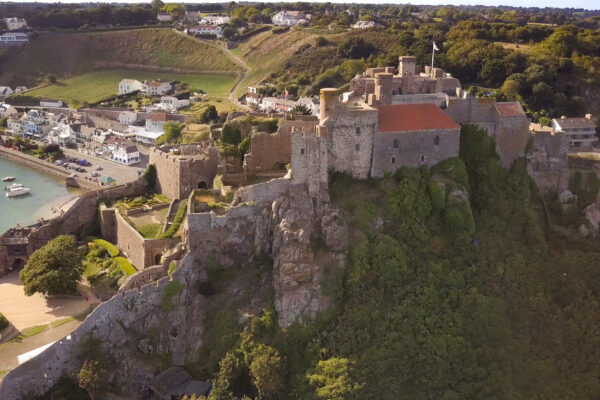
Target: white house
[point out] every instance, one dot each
(289, 18)
(5, 91)
(580, 132)
(274, 104)
(171, 103)
(20, 89)
(206, 30)
(155, 122)
(215, 20)
(129, 85)
(312, 103)
(126, 153)
(128, 117)
(156, 87)
(142, 135)
(164, 17)
(6, 110)
(14, 125)
(11, 38)
(364, 25)
(14, 23)
(51, 103)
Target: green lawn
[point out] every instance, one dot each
(98, 85)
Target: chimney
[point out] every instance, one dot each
(588, 116)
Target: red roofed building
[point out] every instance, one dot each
(413, 135)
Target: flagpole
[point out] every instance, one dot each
(432, 55)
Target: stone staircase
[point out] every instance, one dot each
(171, 215)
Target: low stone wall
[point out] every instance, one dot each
(141, 252)
(141, 278)
(154, 207)
(265, 192)
(116, 323)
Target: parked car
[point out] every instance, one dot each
(98, 168)
(58, 162)
(95, 174)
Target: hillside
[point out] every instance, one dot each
(68, 54)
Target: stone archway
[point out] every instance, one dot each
(157, 259)
(202, 185)
(18, 263)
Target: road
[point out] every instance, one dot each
(233, 58)
(121, 173)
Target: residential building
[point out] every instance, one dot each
(580, 132)
(275, 104)
(126, 153)
(364, 25)
(289, 18)
(51, 103)
(215, 20)
(14, 23)
(171, 103)
(129, 86)
(21, 89)
(128, 117)
(312, 103)
(13, 38)
(193, 16)
(206, 30)
(6, 110)
(156, 121)
(164, 17)
(156, 87)
(5, 91)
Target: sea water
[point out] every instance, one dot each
(47, 193)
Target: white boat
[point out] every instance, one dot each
(20, 191)
(13, 186)
(8, 178)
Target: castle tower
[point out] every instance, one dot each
(383, 87)
(328, 100)
(407, 66)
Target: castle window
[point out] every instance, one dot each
(357, 130)
(393, 160)
(436, 140)
(301, 151)
(357, 146)
(395, 143)
(422, 158)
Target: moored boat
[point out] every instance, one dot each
(13, 186)
(8, 179)
(18, 191)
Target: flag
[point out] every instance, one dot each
(286, 93)
(435, 48)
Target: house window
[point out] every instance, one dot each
(357, 146)
(395, 143)
(436, 140)
(357, 130)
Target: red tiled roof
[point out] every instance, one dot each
(512, 109)
(413, 117)
(158, 117)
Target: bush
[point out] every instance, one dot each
(171, 290)
(126, 266)
(111, 248)
(3, 322)
(181, 210)
(150, 175)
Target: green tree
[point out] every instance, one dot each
(172, 133)
(266, 371)
(53, 269)
(92, 377)
(231, 134)
(209, 114)
(355, 47)
(150, 175)
(332, 380)
(301, 109)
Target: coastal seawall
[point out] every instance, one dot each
(47, 167)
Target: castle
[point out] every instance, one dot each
(398, 117)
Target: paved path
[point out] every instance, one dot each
(27, 311)
(236, 60)
(121, 173)
(10, 352)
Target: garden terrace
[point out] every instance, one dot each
(209, 200)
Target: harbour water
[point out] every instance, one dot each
(47, 192)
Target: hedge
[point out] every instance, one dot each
(111, 248)
(176, 222)
(126, 266)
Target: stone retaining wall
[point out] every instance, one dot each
(265, 192)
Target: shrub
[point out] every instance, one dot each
(150, 175)
(171, 290)
(111, 248)
(172, 268)
(181, 210)
(126, 266)
(3, 321)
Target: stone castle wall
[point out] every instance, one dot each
(349, 136)
(265, 192)
(178, 175)
(413, 149)
(268, 152)
(548, 161)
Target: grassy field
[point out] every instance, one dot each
(523, 48)
(69, 54)
(98, 85)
